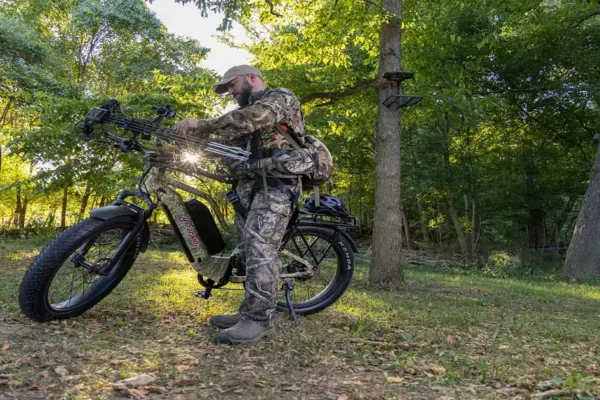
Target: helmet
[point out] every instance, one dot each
(328, 204)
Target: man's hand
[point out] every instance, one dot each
(186, 126)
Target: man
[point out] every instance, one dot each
(268, 201)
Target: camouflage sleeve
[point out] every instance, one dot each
(262, 114)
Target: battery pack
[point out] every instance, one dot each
(205, 225)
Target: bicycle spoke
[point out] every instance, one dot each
(73, 281)
(315, 250)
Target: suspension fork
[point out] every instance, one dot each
(131, 236)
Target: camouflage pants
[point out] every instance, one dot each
(261, 234)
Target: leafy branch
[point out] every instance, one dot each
(585, 18)
(376, 83)
(271, 10)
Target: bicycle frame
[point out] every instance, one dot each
(213, 267)
(313, 249)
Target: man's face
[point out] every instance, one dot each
(240, 89)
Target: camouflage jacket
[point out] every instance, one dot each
(263, 113)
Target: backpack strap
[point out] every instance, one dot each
(282, 129)
(256, 152)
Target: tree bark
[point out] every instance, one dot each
(18, 208)
(23, 212)
(360, 206)
(474, 232)
(84, 201)
(386, 266)
(2, 123)
(465, 245)
(406, 228)
(537, 228)
(63, 213)
(583, 255)
(424, 228)
(536, 224)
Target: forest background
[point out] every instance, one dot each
(495, 159)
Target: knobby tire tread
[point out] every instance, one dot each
(341, 282)
(34, 286)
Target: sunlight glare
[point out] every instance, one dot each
(190, 158)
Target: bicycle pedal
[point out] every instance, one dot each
(205, 294)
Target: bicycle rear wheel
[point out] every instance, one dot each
(333, 260)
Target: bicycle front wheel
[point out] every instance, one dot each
(333, 260)
(62, 282)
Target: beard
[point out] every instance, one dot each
(245, 94)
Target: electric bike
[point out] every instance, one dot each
(85, 262)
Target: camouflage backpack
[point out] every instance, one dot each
(310, 159)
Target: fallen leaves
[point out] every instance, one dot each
(437, 369)
(394, 379)
(556, 393)
(140, 380)
(394, 357)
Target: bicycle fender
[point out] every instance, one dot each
(108, 212)
(349, 239)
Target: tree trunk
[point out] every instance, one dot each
(63, 213)
(465, 244)
(2, 123)
(583, 255)
(18, 209)
(439, 227)
(406, 228)
(537, 228)
(536, 224)
(84, 201)
(95, 202)
(23, 213)
(360, 206)
(424, 228)
(386, 267)
(474, 231)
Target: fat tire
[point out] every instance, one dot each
(33, 291)
(341, 280)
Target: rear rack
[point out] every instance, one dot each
(318, 218)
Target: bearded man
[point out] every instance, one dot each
(268, 201)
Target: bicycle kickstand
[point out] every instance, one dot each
(288, 297)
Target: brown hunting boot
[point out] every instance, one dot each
(225, 321)
(245, 332)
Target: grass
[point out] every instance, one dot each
(446, 334)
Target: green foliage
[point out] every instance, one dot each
(57, 61)
(503, 135)
(509, 109)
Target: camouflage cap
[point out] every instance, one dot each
(232, 73)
